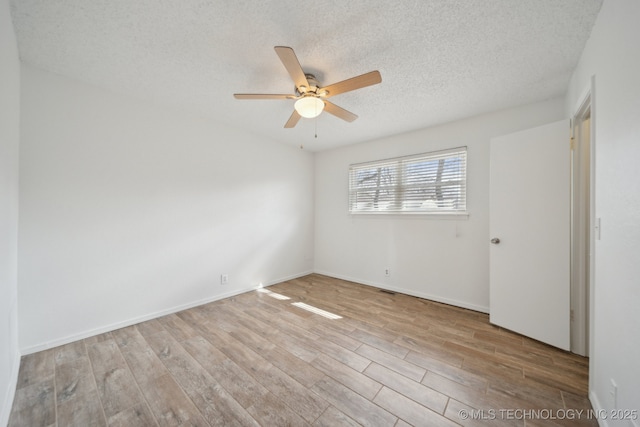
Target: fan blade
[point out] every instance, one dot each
(353, 83)
(293, 120)
(262, 96)
(339, 112)
(291, 63)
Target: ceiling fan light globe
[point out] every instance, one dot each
(309, 106)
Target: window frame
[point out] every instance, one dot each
(398, 184)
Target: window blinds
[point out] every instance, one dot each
(424, 183)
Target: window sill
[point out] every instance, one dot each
(425, 215)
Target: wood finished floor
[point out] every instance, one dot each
(391, 360)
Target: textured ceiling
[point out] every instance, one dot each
(440, 60)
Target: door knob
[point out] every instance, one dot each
(495, 240)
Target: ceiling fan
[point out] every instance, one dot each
(311, 98)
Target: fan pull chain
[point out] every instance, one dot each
(315, 121)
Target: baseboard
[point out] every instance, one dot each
(597, 408)
(284, 279)
(5, 410)
(424, 295)
(114, 326)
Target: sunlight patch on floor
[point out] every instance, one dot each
(272, 294)
(316, 310)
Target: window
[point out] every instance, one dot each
(424, 183)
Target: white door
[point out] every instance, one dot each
(530, 215)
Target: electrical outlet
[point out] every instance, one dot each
(387, 272)
(224, 279)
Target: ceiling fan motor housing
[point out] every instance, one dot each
(313, 86)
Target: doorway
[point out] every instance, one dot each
(581, 226)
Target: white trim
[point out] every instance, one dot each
(5, 410)
(592, 242)
(598, 408)
(580, 277)
(410, 292)
(112, 327)
(425, 215)
(584, 97)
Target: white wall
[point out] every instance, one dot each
(9, 141)
(445, 260)
(129, 210)
(612, 55)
